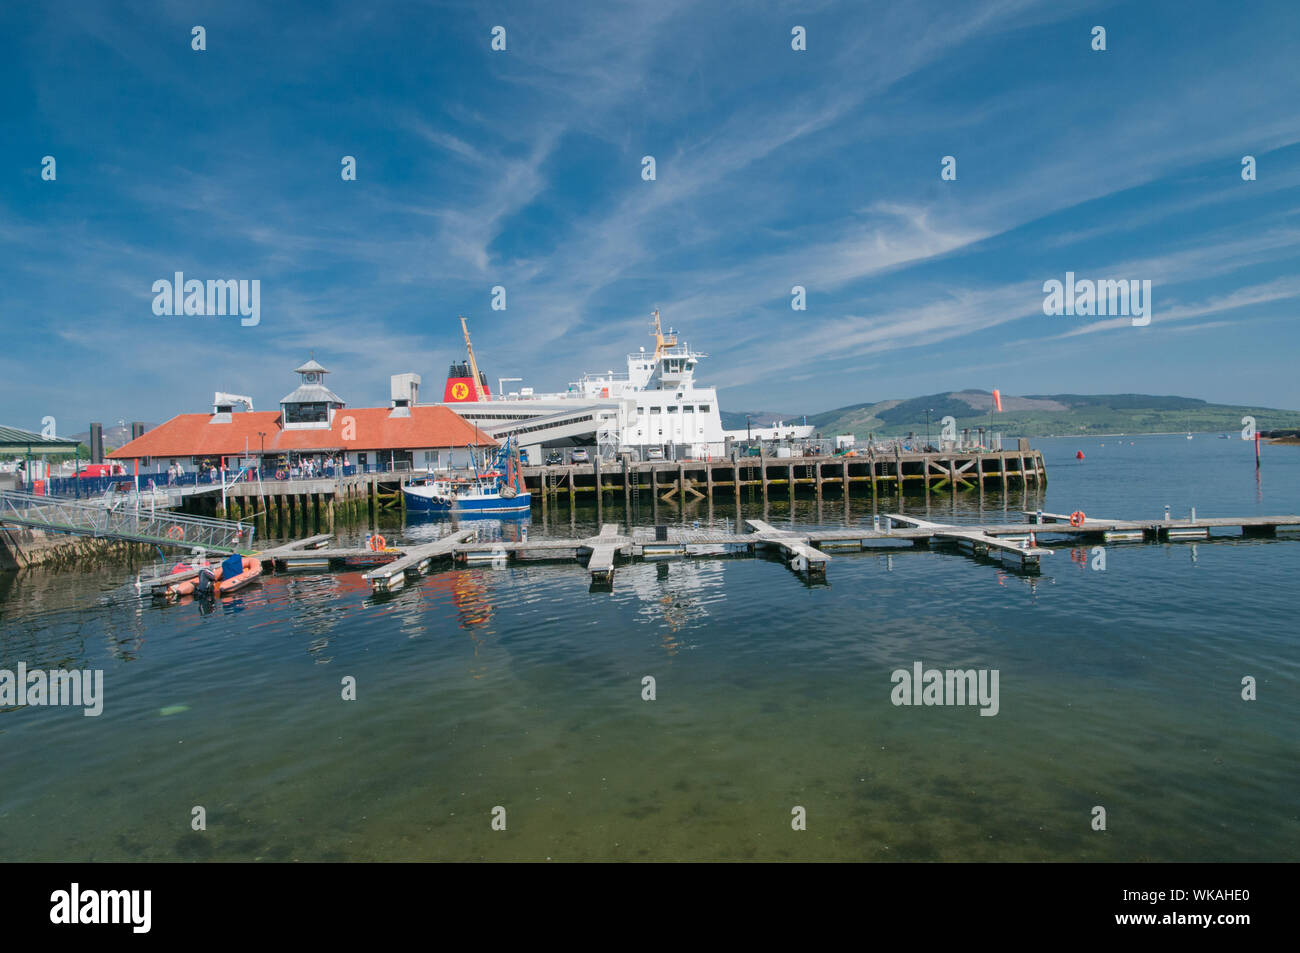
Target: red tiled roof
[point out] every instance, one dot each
(194, 435)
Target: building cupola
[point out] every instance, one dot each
(313, 405)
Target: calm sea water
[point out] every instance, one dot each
(519, 688)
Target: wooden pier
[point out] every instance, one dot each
(794, 546)
(289, 507)
(292, 507)
(762, 477)
(1021, 544)
(415, 560)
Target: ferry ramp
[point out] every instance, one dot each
(578, 425)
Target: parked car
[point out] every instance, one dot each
(553, 458)
(579, 456)
(655, 453)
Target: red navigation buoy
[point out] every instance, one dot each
(1079, 455)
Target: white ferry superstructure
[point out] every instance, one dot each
(655, 408)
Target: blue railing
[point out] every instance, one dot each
(82, 487)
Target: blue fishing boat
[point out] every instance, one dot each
(499, 490)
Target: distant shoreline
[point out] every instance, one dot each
(1158, 433)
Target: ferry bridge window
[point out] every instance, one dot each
(704, 408)
(656, 410)
(672, 408)
(688, 409)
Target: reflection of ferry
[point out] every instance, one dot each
(646, 412)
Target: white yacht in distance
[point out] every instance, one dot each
(653, 410)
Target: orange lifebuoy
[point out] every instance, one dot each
(1077, 518)
(378, 543)
(175, 533)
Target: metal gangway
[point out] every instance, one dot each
(124, 522)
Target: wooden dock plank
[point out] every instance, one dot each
(977, 537)
(797, 547)
(393, 575)
(603, 547)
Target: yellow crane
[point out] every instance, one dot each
(661, 341)
(473, 364)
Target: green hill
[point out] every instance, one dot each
(1037, 415)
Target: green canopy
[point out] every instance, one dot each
(14, 440)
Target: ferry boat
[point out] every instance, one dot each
(499, 490)
(655, 410)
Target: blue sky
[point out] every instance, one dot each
(522, 168)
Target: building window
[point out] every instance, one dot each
(306, 413)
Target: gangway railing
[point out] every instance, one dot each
(130, 524)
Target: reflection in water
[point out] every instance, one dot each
(470, 595)
(1031, 580)
(425, 527)
(676, 595)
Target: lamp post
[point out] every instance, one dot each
(748, 435)
(927, 428)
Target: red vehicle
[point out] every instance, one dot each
(94, 470)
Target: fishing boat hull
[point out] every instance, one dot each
(418, 502)
(494, 489)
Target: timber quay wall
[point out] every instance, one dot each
(763, 477)
(292, 508)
